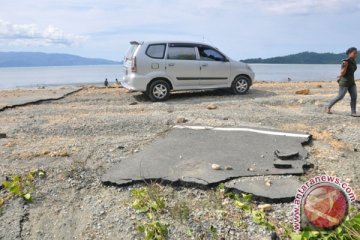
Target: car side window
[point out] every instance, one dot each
(209, 54)
(156, 51)
(182, 53)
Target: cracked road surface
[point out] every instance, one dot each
(186, 153)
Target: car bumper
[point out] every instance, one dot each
(252, 76)
(134, 82)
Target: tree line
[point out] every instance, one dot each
(302, 58)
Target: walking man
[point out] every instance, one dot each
(347, 82)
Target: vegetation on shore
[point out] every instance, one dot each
(301, 58)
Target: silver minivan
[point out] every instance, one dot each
(156, 68)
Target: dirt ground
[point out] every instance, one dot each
(75, 139)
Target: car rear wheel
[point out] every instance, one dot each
(240, 85)
(159, 90)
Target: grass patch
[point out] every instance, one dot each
(180, 211)
(150, 201)
(21, 186)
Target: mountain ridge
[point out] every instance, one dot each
(41, 59)
(301, 58)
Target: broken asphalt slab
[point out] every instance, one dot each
(273, 189)
(287, 154)
(22, 97)
(186, 153)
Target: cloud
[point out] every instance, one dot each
(306, 7)
(241, 28)
(32, 35)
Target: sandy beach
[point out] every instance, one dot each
(76, 138)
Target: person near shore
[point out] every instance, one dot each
(106, 82)
(347, 82)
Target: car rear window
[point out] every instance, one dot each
(131, 51)
(182, 53)
(156, 51)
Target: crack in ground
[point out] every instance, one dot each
(23, 219)
(40, 101)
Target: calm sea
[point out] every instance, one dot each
(36, 76)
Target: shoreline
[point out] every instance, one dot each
(101, 84)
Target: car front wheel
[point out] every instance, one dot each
(159, 90)
(240, 85)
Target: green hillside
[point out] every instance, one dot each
(38, 59)
(302, 58)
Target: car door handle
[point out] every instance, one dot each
(171, 64)
(204, 65)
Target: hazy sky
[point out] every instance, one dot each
(241, 29)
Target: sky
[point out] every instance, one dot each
(239, 28)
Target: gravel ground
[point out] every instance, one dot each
(77, 138)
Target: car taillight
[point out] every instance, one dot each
(133, 65)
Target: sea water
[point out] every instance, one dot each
(297, 72)
(44, 76)
(78, 75)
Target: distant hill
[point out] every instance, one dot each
(302, 58)
(38, 59)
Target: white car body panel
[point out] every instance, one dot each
(182, 74)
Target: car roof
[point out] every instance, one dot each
(176, 42)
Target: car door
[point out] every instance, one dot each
(215, 68)
(182, 65)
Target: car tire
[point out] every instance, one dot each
(159, 91)
(240, 85)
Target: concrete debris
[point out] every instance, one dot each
(212, 106)
(180, 120)
(287, 154)
(268, 183)
(282, 164)
(303, 92)
(228, 168)
(265, 207)
(215, 166)
(282, 189)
